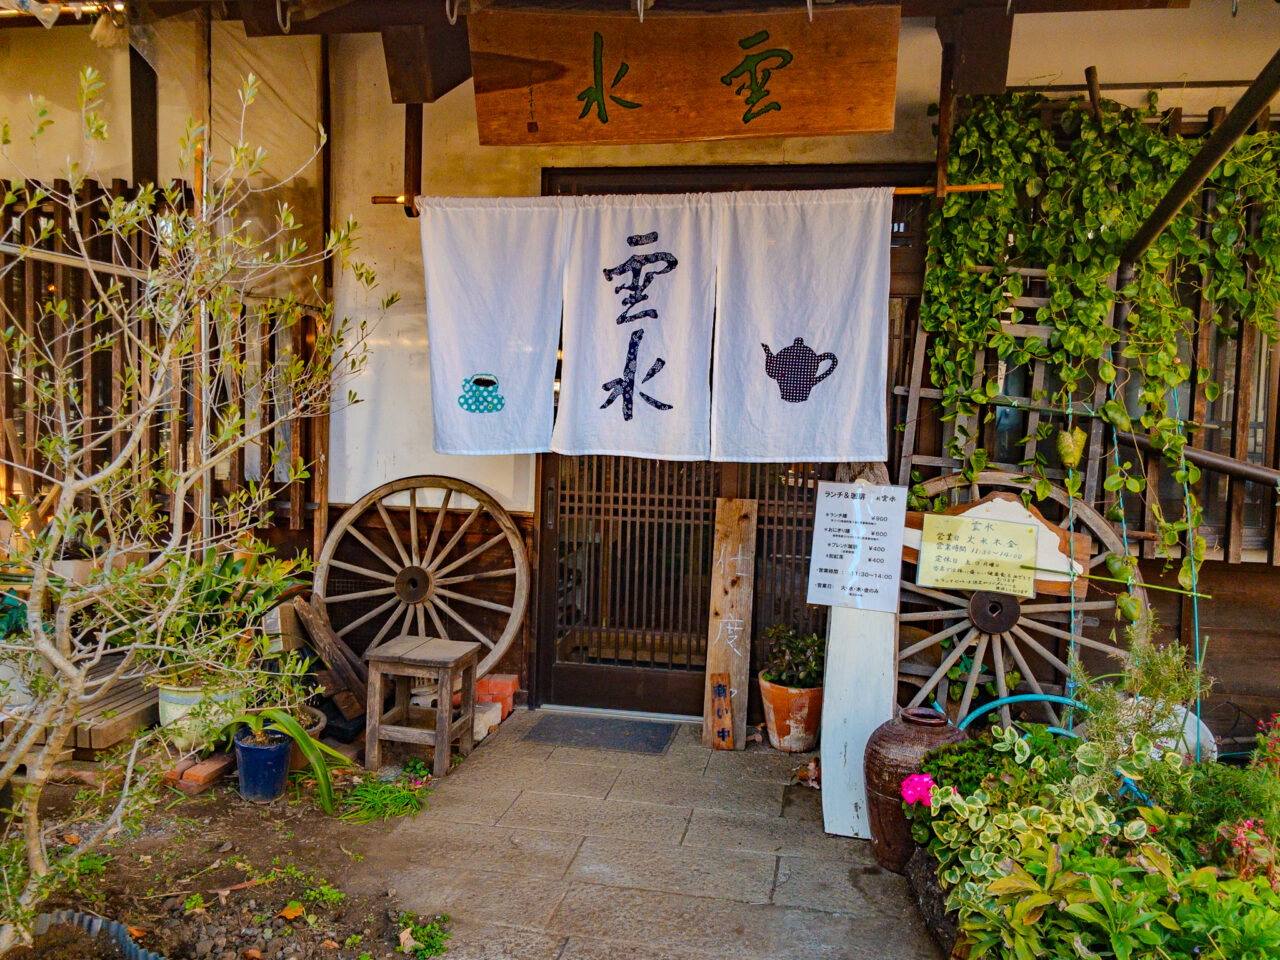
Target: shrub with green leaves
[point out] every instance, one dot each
(1038, 860)
(795, 659)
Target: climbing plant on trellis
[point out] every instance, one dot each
(1076, 189)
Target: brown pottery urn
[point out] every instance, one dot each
(893, 753)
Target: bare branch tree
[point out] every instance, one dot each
(202, 340)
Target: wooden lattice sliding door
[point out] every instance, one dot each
(632, 573)
(628, 620)
(625, 545)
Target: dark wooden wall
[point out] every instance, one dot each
(1239, 637)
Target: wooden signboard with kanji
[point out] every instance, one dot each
(586, 77)
(733, 566)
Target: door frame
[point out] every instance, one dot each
(906, 273)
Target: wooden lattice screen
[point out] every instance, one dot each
(25, 285)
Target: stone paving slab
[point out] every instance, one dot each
(686, 758)
(729, 875)
(584, 816)
(837, 887)
(774, 835)
(528, 853)
(545, 852)
(755, 763)
(800, 802)
(471, 894)
(477, 940)
(733, 931)
(463, 803)
(740, 796)
(544, 776)
(589, 948)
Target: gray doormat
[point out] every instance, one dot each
(601, 733)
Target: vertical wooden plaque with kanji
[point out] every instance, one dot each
(578, 77)
(733, 568)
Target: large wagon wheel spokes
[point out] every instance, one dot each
(394, 565)
(967, 638)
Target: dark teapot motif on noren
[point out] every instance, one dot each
(796, 369)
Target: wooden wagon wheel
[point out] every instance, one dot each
(406, 568)
(988, 635)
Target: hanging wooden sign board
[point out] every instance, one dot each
(585, 77)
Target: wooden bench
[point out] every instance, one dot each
(405, 660)
(126, 709)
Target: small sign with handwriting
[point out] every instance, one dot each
(961, 553)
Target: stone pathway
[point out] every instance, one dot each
(541, 852)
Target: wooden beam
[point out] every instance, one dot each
(1095, 91)
(143, 119)
(412, 157)
(1243, 469)
(1242, 116)
(981, 37)
(426, 60)
(260, 18)
(946, 102)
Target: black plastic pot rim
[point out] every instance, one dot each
(96, 927)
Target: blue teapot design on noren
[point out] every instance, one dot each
(796, 369)
(480, 394)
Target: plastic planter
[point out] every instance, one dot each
(264, 768)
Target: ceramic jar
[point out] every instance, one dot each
(893, 753)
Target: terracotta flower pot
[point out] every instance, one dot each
(314, 725)
(792, 715)
(893, 753)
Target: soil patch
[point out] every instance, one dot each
(62, 942)
(217, 878)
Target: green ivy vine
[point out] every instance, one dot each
(1076, 190)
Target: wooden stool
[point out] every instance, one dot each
(420, 658)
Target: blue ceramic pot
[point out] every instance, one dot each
(264, 768)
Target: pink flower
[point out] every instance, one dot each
(918, 788)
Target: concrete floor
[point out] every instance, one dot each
(541, 852)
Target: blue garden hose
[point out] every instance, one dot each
(1020, 698)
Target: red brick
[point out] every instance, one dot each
(503, 684)
(209, 770)
(191, 788)
(506, 701)
(174, 773)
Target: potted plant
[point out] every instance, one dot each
(202, 668)
(263, 741)
(313, 721)
(791, 688)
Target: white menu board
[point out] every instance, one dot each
(856, 559)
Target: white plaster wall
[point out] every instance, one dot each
(388, 434)
(35, 61)
(1200, 42)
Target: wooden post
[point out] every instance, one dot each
(946, 101)
(729, 626)
(200, 409)
(1095, 92)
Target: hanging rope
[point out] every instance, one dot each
(1071, 583)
